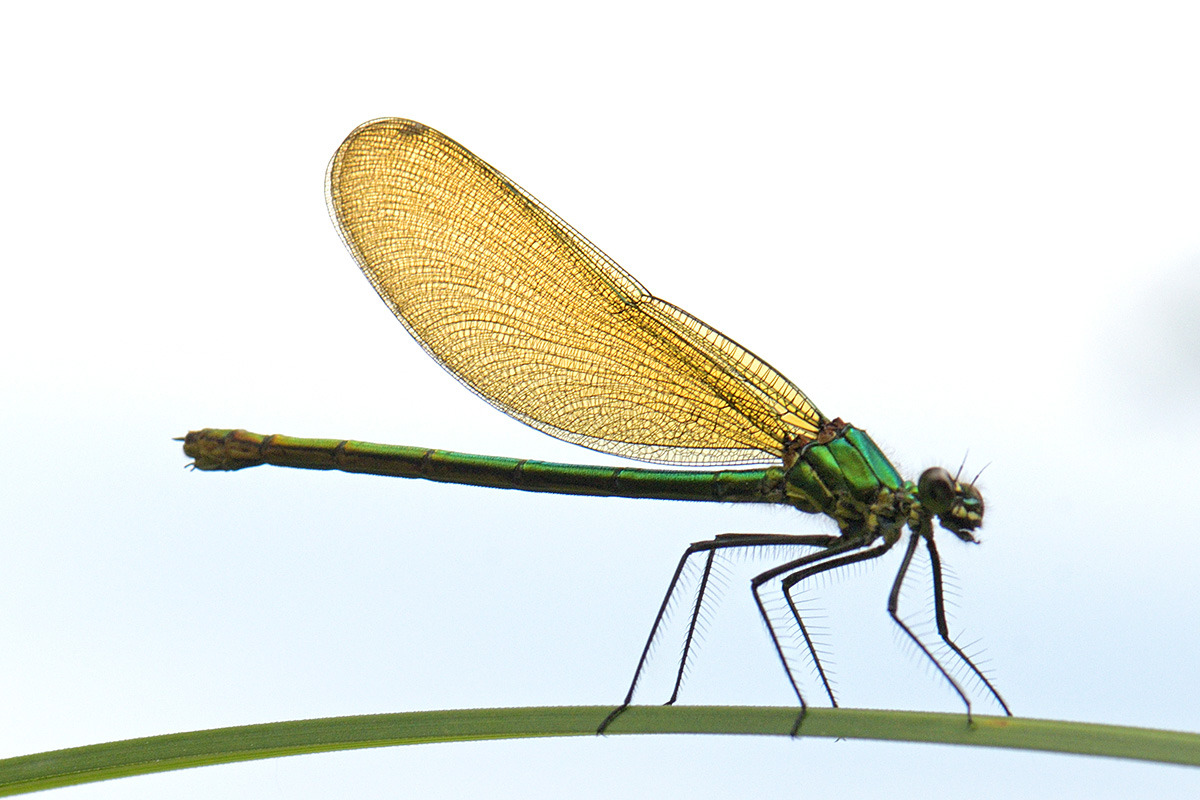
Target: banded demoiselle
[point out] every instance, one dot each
(535, 319)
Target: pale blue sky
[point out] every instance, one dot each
(962, 230)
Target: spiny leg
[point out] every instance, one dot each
(788, 583)
(739, 540)
(939, 613)
(800, 569)
(925, 531)
(722, 541)
(691, 631)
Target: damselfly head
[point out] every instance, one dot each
(958, 506)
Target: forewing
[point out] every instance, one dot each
(532, 317)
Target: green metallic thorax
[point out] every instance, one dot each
(850, 479)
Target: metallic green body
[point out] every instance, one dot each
(215, 449)
(850, 479)
(847, 478)
(842, 474)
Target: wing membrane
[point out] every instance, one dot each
(532, 317)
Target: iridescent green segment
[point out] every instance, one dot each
(850, 480)
(849, 470)
(237, 449)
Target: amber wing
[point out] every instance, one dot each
(535, 319)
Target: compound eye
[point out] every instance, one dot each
(935, 490)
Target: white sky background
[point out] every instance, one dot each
(961, 230)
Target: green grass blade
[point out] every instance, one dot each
(225, 745)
